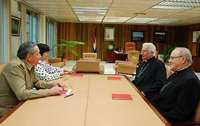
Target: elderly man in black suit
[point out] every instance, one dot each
(179, 97)
(151, 73)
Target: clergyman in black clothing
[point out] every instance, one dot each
(151, 73)
(179, 97)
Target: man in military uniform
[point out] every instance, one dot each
(19, 82)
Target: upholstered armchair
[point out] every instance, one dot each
(90, 56)
(134, 53)
(2, 66)
(88, 66)
(130, 46)
(56, 62)
(125, 67)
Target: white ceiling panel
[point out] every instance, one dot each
(62, 11)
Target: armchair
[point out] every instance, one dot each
(134, 53)
(2, 66)
(89, 56)
(127, 67)
(56, 62)
(130, 46)
(88, 66)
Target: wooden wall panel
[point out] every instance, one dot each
(85, 32)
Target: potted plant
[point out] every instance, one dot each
(168, 51)
(64, 47)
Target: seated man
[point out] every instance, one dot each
(19, 82)
(151, 73)
(178, 99)
(44, 70)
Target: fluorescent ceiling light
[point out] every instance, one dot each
(164, 21)
(91, 18)
(89, 9)
(140, 20)
(178, 4)
(95, 14)
(89, 13)
(171, 7)
(116, 19)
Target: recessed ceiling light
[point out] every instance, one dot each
(140, 20)
(178, 4)
(116, 19)
(164, 21)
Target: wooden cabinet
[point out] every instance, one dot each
(110, 56)
(196, 63)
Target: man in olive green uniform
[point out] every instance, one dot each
(18, 81)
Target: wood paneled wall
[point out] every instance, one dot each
(85, 32)
(186, 36)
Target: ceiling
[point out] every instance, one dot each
(120, 11)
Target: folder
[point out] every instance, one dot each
(76, 75)
(114, 78)
(121, 97)
(64, 91)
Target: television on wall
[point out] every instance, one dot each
(137, 36)
(160, 36)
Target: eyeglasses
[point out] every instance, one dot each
(143, 51)
(174, 57)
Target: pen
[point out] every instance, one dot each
(68, 95)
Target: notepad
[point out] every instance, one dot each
(121, 97)
(66, 92)
(114, 78)
(76, 75)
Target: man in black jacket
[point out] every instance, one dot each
(179, 97)
(151, 73)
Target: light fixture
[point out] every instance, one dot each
(140, 20)
(164, 21)
(178, 4)
(90, 18)
(95, 14)
(116, 19)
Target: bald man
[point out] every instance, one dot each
(179, 97)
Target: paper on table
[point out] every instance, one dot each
(76, 75)
(66, 92)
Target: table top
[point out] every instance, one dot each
(91, 105)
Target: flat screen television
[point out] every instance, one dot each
(137, 36)
(160, 36)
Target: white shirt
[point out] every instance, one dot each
(47, 72)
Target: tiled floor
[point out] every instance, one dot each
(108, 67)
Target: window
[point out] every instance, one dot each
(50, 36)
(32, 26)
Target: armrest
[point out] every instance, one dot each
(119, 61)
(54, 60)
(90, 59)
(127, 65)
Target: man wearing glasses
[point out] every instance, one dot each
(178, 99)
(151, 73)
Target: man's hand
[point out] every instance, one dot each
(59, 85)
(56, 90)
